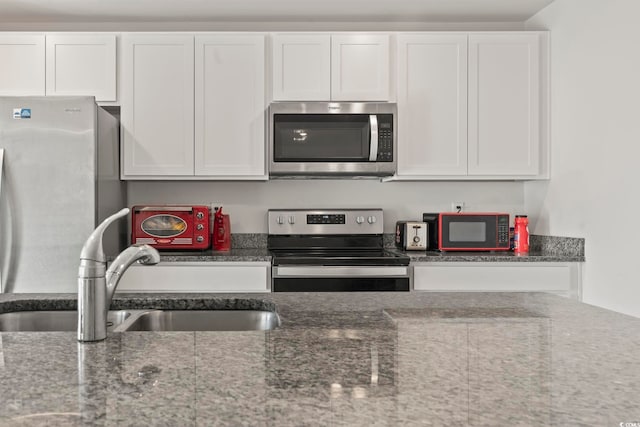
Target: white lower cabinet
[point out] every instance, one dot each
(198, 277)
(562, 278)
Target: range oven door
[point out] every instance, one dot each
(314, 278)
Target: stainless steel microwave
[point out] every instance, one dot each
(332, 139)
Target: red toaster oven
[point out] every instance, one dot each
(171, 227)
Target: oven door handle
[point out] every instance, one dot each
(340, 271)
(373, 146)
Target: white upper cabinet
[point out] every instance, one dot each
(338, 67)
(360, 67)
(432, 104)
(472, 106)
(230, 106)
(82, 64)
(504, 104)
(157, 105)
(301, 67)
(193, 106)
(22, 64)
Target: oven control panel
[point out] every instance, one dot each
(339, 221)
(326, 218)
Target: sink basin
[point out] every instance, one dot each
(50, 321)
(202, 320)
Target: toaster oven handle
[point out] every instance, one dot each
(163, 208)
(373, 147)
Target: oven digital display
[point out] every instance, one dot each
(326, 219)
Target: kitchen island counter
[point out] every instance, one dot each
(337, 359)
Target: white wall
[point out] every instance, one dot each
(247, 202)
(595, 134)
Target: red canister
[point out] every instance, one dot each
(521, 235)
(221, 231)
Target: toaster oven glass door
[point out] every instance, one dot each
(164, 225)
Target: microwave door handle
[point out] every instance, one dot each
(373, 147)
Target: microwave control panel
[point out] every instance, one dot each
(385, 137)
(503, 230)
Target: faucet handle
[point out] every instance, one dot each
(92, 249)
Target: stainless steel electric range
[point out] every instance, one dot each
(333, 250)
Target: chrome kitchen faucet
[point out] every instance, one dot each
(96, 284)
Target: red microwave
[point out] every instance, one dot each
(171, 227)
(483, 231)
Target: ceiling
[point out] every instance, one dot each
(75, 11)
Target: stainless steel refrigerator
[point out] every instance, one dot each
(59, 178)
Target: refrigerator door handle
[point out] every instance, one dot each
(1, 176)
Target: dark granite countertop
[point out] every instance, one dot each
(505, 256)
(234, 255)
(254, 255)
(253, 247)
(352, 359)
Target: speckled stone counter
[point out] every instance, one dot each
(251, 254)
(349, 359)
(507, 256)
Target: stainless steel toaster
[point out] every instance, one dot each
(411, 235)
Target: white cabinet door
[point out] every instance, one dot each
(360, 67)
(301, 67)
(324, 67)
(82, 64)
(557, 277)
(197, 277)
(432, 104)
(22, 64)
(230, 106)
(504, 104)
(157, 105)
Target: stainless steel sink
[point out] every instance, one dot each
(144, 320)
(50, 321)
(202, 320)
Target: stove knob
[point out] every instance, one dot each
(360, 219)
(292, 219)
(200, 215)
(280, 220)
(200, 227)
(200, 239)
(371, 220)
